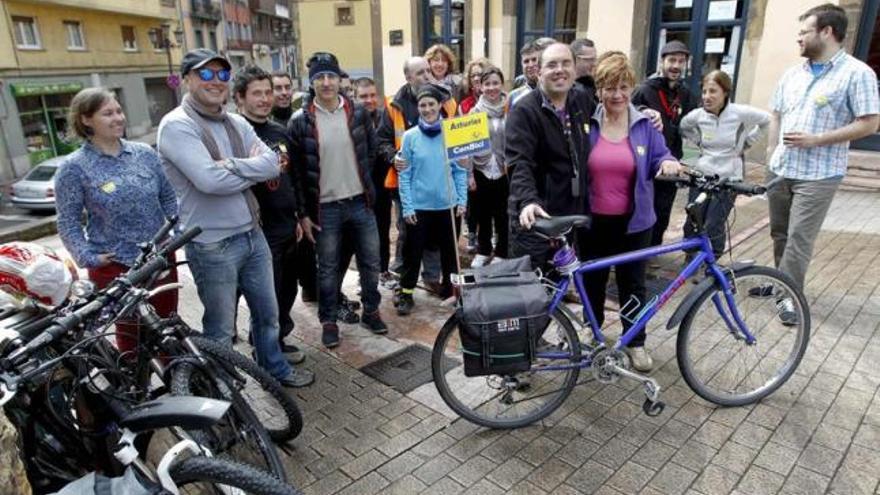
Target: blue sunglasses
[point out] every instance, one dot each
(207, 75)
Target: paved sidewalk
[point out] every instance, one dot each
(819, 433)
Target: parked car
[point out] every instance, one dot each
(36, 191)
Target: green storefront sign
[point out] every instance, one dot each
(36, 89)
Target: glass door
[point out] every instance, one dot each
(539, 18)
(444, 23)
(868, 50)
(44, 124)
(713, 30)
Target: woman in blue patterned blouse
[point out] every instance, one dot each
(123, 190)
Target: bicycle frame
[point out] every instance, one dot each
(648, 309)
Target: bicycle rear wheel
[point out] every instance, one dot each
(510, 401)
(207, 475)
(278, 411)
(718, 364)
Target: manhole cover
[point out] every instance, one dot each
(405, 370)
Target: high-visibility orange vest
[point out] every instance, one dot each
(450, 108)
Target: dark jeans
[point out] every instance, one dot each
(433, 228)
(473, 223)
(607, 236)
(430, 259)
(664, 196)
(350, 215)
(284, 269)
(715, 212)
(490, 204)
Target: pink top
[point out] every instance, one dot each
(612, 168)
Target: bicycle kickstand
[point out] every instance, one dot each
(652, 406)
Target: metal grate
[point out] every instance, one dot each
(405, 370)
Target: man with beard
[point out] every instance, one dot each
(530, 56)
(667, 94)
(212, 159)
(819, 107)
(585, 63)
(403, 113)
(547, 149)
(252, 90)
(282, 92)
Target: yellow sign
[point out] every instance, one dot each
(466, 135)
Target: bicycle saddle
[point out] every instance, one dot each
(558, 226)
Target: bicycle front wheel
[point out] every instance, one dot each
(509, 401)
(207, 475)
(713, 355)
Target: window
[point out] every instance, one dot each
(344, 15)
(129, 41)
(26, 33)
(444, 23)
(200, 40)
(75, 39)
(212, 40)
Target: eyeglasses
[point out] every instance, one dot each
(207, 75)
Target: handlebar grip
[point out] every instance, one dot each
(745, 188)
(144, 273)
(675, 179)
(170, 222)
(180, 240)
(58, 327)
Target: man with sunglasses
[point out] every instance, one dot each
(212, 159)
(333, 146)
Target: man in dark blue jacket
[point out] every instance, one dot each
(334, 146)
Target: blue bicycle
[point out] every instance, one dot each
(742, 330)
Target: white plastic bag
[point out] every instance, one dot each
(28, 270)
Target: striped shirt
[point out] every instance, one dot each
(844, 90)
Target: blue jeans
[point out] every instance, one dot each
(241, 262)
(353, 216)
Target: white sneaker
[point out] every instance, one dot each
(640, 359)
(479, 260)
(497, 259)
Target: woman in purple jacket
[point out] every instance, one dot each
(627, 152)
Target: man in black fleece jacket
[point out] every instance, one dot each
(252, 90)
(668, 94)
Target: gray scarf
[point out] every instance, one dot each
(491, 164)
(201, 114)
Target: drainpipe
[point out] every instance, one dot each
(486, 28)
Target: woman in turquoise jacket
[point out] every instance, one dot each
(433, 190)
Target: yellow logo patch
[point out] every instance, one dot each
(108, 187)
(821, 100)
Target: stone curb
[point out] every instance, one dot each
(31, 230)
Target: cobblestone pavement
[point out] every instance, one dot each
(819, 433)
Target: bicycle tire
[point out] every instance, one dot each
(189, 379)
(267, 383)
(701, 356)
(211, 470)
(479, 413)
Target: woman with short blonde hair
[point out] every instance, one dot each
(626, 153)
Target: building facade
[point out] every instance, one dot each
(274, 30)
(51, 49)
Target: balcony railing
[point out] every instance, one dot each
(205, 9)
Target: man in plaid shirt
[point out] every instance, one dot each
(817, 109)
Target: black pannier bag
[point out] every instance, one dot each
(503, 313)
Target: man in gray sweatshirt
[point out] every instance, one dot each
(212, 158)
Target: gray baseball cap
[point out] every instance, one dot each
(198, 58)
(674, 46)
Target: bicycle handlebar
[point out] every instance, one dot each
(713, 183)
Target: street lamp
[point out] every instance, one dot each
(281, 29)
(160, 38)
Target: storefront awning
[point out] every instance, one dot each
(34, 89)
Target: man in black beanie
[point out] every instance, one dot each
(334, 145)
